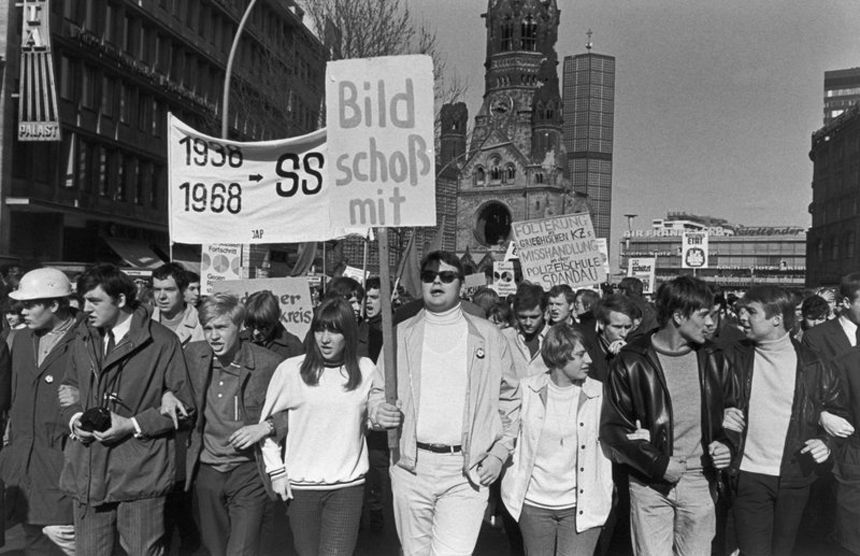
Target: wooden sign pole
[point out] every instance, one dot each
(388, 348)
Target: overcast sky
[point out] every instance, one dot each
(715, 99)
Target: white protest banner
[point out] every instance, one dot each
(503, 278)
(644, 268)
(559, 250)
(355, 273)
(262, 192)
(219, 262)
(694, 250)
(381, 141)
(294, 297)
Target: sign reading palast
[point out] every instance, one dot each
(381, 141)
(694, 250)
(559, 250)
(263, 192)
(38, 117)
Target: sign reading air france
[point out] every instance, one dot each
(381, 141)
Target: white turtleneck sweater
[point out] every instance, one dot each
(444, 366)
(771, 399)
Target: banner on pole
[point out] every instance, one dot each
(251, 193)
(294, 297)
(381, 141)
(559, 250)
(645, 269)
(694, 250)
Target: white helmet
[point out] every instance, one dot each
(42, 283)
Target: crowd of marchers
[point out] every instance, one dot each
(139, 413)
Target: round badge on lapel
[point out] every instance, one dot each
(480, 353)
(49, 379)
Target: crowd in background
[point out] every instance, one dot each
(589, 421)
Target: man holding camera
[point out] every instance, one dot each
(122, 465)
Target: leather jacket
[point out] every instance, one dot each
(636, 390)
(817, 388)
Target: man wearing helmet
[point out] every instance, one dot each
(31, 463)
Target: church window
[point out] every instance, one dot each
(480, 176)
(510, 173)
(539, 177)
(495, 170)
(529, 33)
(507, 35)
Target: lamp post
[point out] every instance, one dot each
(228, 72)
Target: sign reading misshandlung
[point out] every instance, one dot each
(559, 250)
(380, 141)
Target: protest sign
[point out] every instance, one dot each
(559, 250)
(293, 295)
(511, 252)
(643, 268)
(503, 278)
(355, 273)
(381, 141)
(219, 262)
(261, 192)
(694, 250)
(473, 282)
(603, 247)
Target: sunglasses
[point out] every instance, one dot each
(446, 276)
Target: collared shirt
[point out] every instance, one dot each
(850, 329)
(120, 331)
(223, 416)
(49, 338)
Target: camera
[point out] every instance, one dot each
(95, 419)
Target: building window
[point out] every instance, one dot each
(480, 176)
(67, 78)
(124, 103)
(510, 173)
(88, 93)
(121, 177)
(529, 33)
(507, 35)
(108, 86)
(539, 177)
(495, 170)
(104, 169)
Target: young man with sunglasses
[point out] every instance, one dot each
(457, 391)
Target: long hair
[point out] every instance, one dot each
(335, 315)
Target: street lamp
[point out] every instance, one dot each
(228, 72)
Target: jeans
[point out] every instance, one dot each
(437, 509)
(553, 533)
(767, 514)
(326, 521)
(682, 522)
(231, 506)
(139, 524)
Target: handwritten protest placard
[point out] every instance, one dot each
(381, 141)
(559, 250)
(294, 297)
(694, 250)
(259, 192)
(503, 278)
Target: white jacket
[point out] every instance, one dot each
(593, 468)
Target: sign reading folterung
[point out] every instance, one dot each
(559, 250)
(380, 138)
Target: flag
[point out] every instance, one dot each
(408, 273)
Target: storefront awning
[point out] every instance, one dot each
(137, 255)
(188, 256)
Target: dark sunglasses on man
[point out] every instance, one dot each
(446, 276)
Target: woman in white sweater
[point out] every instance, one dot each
(327, 393)
(559, 484)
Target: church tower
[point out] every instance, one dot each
(516, 164)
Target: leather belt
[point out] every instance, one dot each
(439, 448)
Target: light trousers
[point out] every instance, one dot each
(437, 509)
(682, 522)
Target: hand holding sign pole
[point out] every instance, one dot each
(381, 144)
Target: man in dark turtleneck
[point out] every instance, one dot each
(457, 392)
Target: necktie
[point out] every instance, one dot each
(109, 340)
(857, 337)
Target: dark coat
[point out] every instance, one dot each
(32, 461)
(636, 389)
(847, 454)
(817, 389)
(828, 339)
(142, 366)
(282, 342)
(257, 366)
